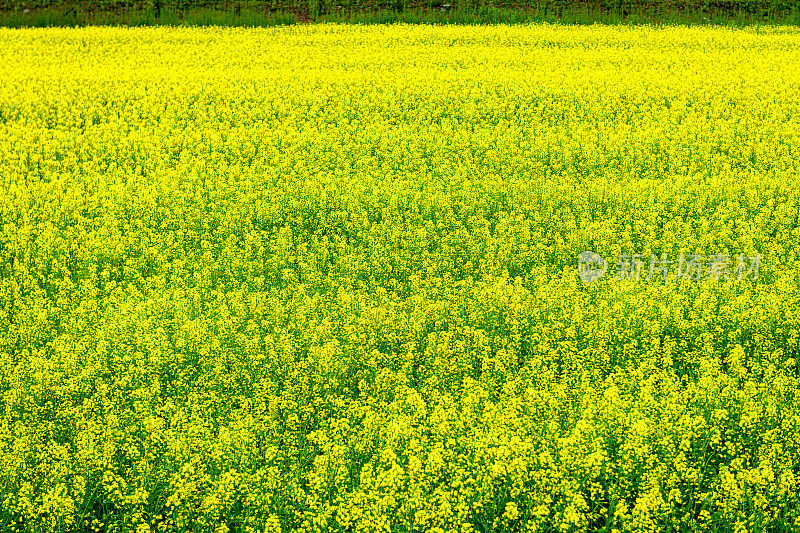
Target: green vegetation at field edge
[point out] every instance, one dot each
(252, 13)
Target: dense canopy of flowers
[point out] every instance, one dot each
(323, 278)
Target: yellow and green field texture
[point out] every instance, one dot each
(324, 278)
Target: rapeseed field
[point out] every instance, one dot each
(326, 279)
